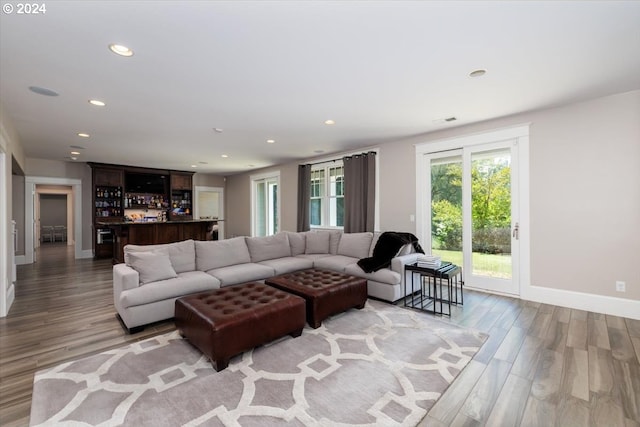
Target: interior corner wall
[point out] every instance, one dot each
(237, 206)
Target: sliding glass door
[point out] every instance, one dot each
(472, 213)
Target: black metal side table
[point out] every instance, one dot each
(430, 294)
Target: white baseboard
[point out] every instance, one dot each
(589, 302)
(86, 253)
(11, 296)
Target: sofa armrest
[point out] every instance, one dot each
(124, 278)
(398, 263)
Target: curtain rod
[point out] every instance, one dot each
(335, 160)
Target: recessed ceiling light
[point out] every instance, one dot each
(271, 141)
(73, 158)
(329, 122)
(194, 166)
(318, 151)
(224, 156)
(43, 91)
(217, 130)
(75, 153)
(84, 135)
(120, 50)
(478, 73)
(97, 103)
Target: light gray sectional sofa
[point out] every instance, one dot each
(146, 286)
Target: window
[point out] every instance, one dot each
(327, 195)
(265, 204)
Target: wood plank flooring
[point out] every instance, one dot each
(541, 366)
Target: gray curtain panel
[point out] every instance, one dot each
(359, 192)
(304, 196)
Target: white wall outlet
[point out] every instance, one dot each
(621, 286)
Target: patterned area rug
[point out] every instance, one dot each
(380, 366)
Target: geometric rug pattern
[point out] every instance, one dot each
(380, 366)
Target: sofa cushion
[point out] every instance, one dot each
(355, 245)
(186, 283)
(268, 247)
(334, 240)
(334, 262)
(240, 273)
(317, 243)
(152, 266)
(376, 236)
(288, 264)
(182, 254)
(221, 253)
(384, 275)
(297, 242)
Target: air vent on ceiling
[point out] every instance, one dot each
(450, 119)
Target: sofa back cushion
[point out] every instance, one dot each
(297, 242)
(268, 247)
(355, 245)
(182, 254)
(152, 266)
(317, 243)
(221, 253)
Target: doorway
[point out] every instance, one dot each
(73, 189)
(209, 204)
(54, 219)
(470, 196)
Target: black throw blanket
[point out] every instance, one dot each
(387, 246)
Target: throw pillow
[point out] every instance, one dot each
(317, 243)
(152, 267)
(297, 242)
(355, 245)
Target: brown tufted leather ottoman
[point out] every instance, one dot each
(326, 292)
(225, 322)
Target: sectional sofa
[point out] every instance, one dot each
(152, 277)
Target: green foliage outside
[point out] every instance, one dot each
(491, 205)
(483, 264)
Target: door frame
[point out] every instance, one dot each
(220, 191)
(29, 233)
(520, 136)
(254, 179)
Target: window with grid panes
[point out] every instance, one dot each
(327, 195)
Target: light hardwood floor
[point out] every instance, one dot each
(542, 365)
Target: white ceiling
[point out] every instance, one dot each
(383, 70)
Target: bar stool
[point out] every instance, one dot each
(59, 232)
(46, 233)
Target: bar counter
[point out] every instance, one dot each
(152, 233)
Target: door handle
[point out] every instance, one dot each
(516, 231)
